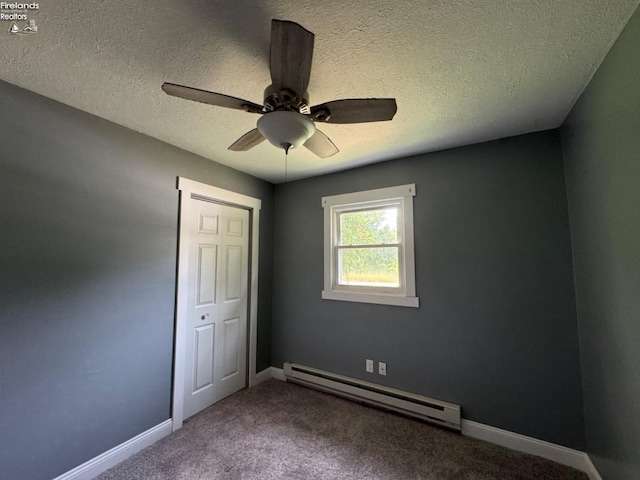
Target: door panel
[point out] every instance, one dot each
(203, 355)
(235, 227)
(208, 223)
(233, 300)
(207, 268)
(217, 304)
(230, 354)
(233, 289)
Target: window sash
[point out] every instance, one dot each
(370, 207)
(390, 289)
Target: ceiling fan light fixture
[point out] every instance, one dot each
(286, 129)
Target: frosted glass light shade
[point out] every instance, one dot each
(286, 128)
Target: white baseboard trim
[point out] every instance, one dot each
(515, 441)
(592, 471)
(111, 458)
(278, 374)
(263, 376)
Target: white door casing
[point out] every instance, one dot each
(209, 319)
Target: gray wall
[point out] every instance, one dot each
(496, 329)
(88, 218)
(601, 142)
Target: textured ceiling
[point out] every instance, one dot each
(462, 71)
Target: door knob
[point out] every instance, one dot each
(204, 317)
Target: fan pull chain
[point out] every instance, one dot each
(286, 147)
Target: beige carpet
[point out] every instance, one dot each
(281, 431)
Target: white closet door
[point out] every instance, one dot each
(217, 304)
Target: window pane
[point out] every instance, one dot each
(369, 227)
(371, 267)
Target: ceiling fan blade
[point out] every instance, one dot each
(212, 98)
(247, 141)
(321, 145)
(290, 56)
(355, 110)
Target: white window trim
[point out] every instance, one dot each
(335, 203)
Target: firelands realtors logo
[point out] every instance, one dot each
(19, 16)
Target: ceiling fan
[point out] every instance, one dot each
(288, 120)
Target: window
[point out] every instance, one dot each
(368, 247)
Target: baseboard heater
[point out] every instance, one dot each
(425, 408)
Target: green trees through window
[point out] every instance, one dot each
(368, 247)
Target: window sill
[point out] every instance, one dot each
(371, 298)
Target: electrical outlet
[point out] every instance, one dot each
(369, 366)
(382, 368)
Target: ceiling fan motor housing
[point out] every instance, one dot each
(285, 99)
